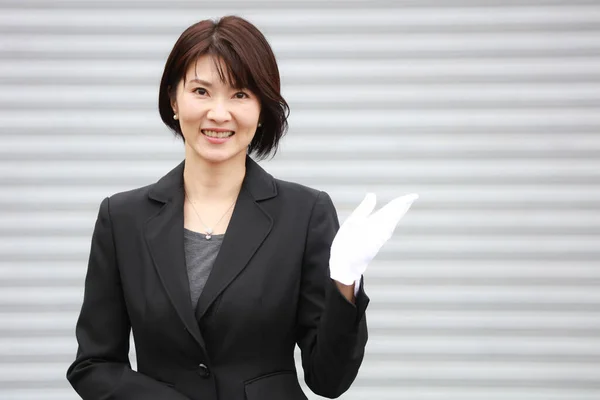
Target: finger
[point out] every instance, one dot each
(365, 208)
(390, 214)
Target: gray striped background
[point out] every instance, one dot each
(489, 109)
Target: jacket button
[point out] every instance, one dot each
(203, 370)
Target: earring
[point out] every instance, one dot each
(175, 117)
(259, 124)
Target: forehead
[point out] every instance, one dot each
(214, 69)
(202, 66)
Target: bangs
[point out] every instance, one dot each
(228, 64)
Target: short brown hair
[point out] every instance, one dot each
(250, 64)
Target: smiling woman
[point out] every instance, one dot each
(220, 269)
(228, 69)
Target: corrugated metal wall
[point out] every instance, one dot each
(489, 109)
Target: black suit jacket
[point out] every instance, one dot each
(268, 291)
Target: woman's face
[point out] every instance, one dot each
(218, 121)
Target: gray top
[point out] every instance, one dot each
(200, 255)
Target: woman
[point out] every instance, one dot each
(219, 269)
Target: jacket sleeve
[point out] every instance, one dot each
(332, 332)
(101, 369)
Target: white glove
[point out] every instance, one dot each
(361, 236)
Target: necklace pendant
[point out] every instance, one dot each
(208, 234)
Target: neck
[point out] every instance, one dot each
(213, 182)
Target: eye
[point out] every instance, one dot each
(200, 91)
(241, 95)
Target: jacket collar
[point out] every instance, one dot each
(259, 183)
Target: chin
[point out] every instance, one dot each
(218, 156)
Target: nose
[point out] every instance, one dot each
(218, 112)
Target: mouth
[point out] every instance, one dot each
(217, 135)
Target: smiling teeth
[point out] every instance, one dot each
(219, 135)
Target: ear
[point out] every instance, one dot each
(173, 99)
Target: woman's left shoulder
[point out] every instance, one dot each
(302, 195)
(296, 190)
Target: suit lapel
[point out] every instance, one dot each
(248, 228)
(164, 237)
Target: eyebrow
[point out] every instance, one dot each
(201, 81)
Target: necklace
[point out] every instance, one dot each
(209, 231)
